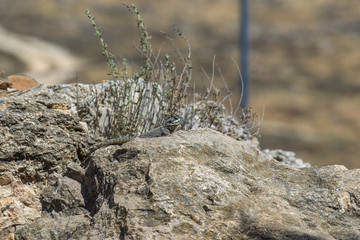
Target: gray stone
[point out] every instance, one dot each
(287, 157)
(197, 184)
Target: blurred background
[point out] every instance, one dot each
(304, 60)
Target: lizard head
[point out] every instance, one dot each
(172, 123)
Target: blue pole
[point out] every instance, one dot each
(245, 49)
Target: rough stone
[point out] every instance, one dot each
(19, 204)
(287, 157)
(4, 85)
(22, 82)
(197, 184)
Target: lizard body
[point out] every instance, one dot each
(167, 128)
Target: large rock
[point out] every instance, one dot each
(197, 184)
(204, 185)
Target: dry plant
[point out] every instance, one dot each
(160, 90)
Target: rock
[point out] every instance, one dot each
(22, 82)
(287, 157)
(202, 184)
(197, 184)
(4, 85)
(19, 204)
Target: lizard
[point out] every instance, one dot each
(168, 127)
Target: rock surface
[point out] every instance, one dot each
(22, 82)
(197, 184)
(287, 157)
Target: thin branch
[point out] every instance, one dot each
(229, 93)
(242, 86)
